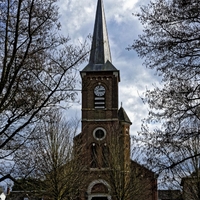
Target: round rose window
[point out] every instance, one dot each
(99, 133)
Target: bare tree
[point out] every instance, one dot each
(186, 175)
(170, 45)
(49, 161)
(37, 68)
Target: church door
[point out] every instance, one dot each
(99, 198)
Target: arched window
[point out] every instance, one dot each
(94, 162)
(105, 155)
(98, 189)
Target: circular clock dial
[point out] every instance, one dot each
(99, 90)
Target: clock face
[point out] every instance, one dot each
(99, 90)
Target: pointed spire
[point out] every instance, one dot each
(100, 56)
(100, 51)
(123, 117)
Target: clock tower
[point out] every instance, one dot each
(100, 81)
(104, 142)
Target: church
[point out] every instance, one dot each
(102, 150)
(103, 146)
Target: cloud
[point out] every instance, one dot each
(77, 19)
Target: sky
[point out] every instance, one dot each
(77, 20)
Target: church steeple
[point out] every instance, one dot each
(100, 56)
(100, 51)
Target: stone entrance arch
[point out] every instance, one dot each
(99, 190)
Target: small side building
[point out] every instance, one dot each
(169, 195)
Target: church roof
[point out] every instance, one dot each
(122, 116)
(100, 56)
